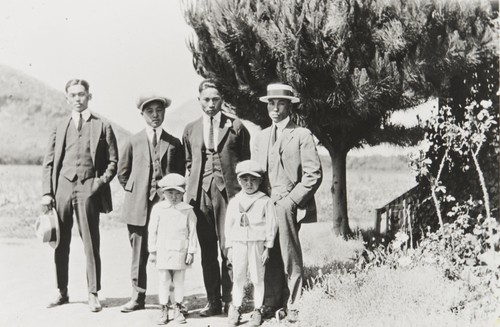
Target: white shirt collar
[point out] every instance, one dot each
(179, 206)
(282, 124)
(75, 115)
(217, 117)
(149, 132)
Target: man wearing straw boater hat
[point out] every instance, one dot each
(293, 168)
(80, 162)
(146, 158)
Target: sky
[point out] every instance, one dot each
(122, 48)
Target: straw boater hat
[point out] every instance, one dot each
(279, 91)
(47, 228)
(173, 181)
(148, 97)
(249, 167)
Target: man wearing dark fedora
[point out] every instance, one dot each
(214, 144)
(293, 170)
(79, 164)
(146, 158)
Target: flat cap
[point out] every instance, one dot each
(249, 167)
(144, 99)
(173, 181)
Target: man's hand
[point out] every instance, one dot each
(96, 185)
(189, 258)
(230, 255)
(152, 257)
(286, 203)
(47, 203)
(265, 256)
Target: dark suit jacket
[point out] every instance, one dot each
(294, 164)
(233, 146)
(103, 150)
(134, 172)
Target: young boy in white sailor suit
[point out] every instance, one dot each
(250, 229)
(172, 243)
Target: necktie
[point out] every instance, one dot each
(274, 135)
(211, 135)
(155, 141)
(80, 122)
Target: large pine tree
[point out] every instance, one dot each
(352, 62)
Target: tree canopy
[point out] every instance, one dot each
(352, 62)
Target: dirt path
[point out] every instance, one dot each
(27, 282)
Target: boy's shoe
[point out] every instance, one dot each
(178, 316)
(292, 316)
(164, 316)
(94, 303)
(233, 316)
(184, 309)
(255, 318)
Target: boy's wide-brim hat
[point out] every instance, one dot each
(146, 98)
(173, 181)
(249, 167)
(47, 228)
(279, 91)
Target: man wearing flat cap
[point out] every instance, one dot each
(146, 158)
(79, 164)
(213, 145)
(293, 167)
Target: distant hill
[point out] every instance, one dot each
(29, 110)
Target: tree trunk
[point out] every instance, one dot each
(339, 192)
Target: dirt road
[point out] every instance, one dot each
(27, 284)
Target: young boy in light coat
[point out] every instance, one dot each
(250, 231)
(172, 243)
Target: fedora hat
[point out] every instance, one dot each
(144, 99)
(279, 91)
(47, 228)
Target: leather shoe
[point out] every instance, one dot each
(62, 298)
(132, 305)
(227, 305)
(211, 310)
(94, 304)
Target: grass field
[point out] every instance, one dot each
(367, 189)
(419, 296)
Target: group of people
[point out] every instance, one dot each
(209, 189)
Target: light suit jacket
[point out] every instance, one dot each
(293, 168)
(103, 150)
(233, 146)
(134, 172)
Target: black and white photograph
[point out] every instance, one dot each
(306, 163)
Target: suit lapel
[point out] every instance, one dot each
(95, 134)
(164, 144)
(143, 138)
(224, 125)
(197, 136)
(286, 136)
(60, 140)
(264, 146)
